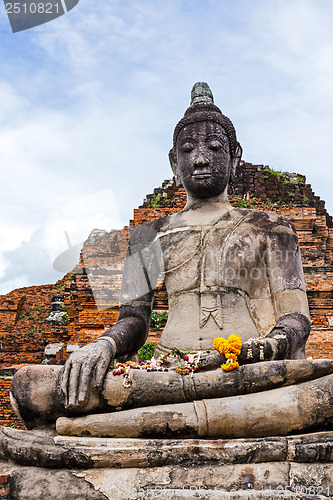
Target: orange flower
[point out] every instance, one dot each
(230, 365)
(232, 345)
(231, 348)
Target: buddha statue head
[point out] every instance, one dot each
(205, 150)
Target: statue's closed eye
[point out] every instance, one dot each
(187, 147)
(215, 145)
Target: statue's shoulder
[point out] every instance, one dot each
(147, 232)
(265, 221)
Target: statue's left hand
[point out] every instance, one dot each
(84, 373)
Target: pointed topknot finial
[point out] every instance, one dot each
(201, 93)
(202, 108)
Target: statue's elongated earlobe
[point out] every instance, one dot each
(174, 166)
(236, 160)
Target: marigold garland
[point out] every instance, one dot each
(231, 348)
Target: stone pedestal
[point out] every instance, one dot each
(44, 465)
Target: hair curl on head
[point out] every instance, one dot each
(202, 108)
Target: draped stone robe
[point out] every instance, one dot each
(240, 274)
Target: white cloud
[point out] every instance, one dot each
(89, 101)
(292, 114)
(71, 224)
(12, 236)
(28, 264)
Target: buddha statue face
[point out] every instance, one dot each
(204, 162)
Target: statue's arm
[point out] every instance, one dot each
(131, 329)
(284, 270)
(288, 338)
(85, 370)
(285, 341)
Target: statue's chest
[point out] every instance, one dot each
(180, 247)
(209, 256)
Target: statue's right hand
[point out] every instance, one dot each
(84, 372)
(255, 348)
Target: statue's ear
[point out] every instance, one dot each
(236, 159)
(174, 166)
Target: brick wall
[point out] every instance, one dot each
(8, 418)
(4, 486)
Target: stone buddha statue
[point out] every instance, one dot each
(227, 271)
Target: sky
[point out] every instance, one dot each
(89, 101)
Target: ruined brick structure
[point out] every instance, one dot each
(91, 291)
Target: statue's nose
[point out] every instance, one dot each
(201, 161)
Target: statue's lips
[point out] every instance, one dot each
(202, 175)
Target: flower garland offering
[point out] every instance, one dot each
(191, 363)
(127, 377)
(231, 348)
(258, 343)
(155, 365)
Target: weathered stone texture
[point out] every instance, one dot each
(271, 468)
